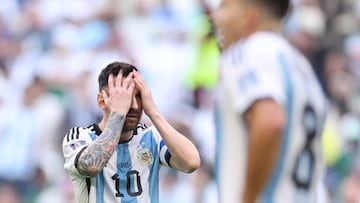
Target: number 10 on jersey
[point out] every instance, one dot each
(133, 184)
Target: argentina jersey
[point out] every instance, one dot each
(132, 173)
(266, 66)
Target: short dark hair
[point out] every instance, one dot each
(114, 68)
(278, 8)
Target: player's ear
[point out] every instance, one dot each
(101, 101)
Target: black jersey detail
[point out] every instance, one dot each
(73, 133)
(77, 133)
(142, 126)
(167, 158)
(68, 136)
(139, 126)
(88, 184)
(97, 129)
(78, 156)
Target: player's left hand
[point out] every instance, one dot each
(147, 100)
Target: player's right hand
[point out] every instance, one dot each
(119, 96)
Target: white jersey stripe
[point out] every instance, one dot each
(274, 180)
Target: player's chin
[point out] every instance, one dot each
(130, 124)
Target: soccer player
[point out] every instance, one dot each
(118, 159)
(270, 109)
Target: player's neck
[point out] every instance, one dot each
(271, 25)
(267, 25)
(126, 136)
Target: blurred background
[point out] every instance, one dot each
(52, 51)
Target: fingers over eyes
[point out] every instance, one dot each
(129, 77)
(131, 86)
(120, 80)
(138, 75)
(139, 80)
(111, 81)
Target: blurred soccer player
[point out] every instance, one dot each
(270, 109)
(118, 159)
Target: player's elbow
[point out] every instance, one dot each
(87, 170)
(93, 171)
(193, 163)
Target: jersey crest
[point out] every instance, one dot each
(144, 156)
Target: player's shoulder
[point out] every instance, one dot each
(273, 49)
(260, 45)
(76, 133)
(266, 43)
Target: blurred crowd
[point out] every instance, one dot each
(51, 53)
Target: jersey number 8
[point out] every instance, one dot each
(305, 161)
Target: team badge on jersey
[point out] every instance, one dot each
(144, 156)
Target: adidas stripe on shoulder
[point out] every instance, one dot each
(73, 134)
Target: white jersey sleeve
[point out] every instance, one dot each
(75, 141)
(250, 81)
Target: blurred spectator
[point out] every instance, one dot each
(9, 195)
(22, 138)
(303, 27)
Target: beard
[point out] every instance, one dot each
(129, 126)
(131, 123)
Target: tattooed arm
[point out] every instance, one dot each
(97, 154)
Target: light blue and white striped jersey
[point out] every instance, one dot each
(263, 66)
(132, 173)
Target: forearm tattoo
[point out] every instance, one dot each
(98, 153)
